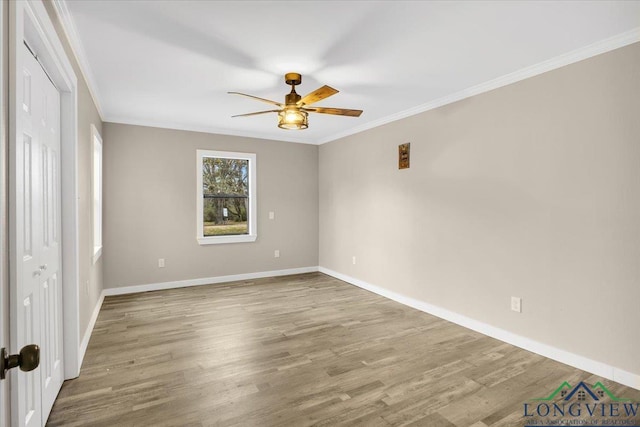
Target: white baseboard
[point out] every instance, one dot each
(627, 378)
(206, 281)
(87, 333)
(602, 369)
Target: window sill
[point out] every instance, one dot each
(227, 239)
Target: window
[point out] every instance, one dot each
(96, 191)
(226, 204)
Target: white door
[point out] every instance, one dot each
(37, 306)
(50, 253)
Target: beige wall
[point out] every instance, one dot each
(531, 190)
(90, 274)
(150, 207)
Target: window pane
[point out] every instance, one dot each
(225, 196)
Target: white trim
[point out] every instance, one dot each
(92, 323)
(97, 253)
(205, 281)
(71, 31)
(96, 206)
(5, 404)
(70, 232)
(568, 58)
(627, 378)
(602, 369)
(220, 240)
(284, 137)
(252, 218)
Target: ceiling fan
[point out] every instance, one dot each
(293, 114)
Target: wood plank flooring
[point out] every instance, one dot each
(297, 351)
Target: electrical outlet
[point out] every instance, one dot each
(276, 253)
(516, 304)
(272, 215)
(161, 262)
(353, 260)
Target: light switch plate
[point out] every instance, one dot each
(516, 304)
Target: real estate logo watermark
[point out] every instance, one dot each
(583, 405)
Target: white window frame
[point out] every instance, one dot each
(252, 220)
(96, 192)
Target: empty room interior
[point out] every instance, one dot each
(320, 213)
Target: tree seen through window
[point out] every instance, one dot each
(225, 196)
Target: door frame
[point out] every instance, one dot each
(4, 225)
(29, 20)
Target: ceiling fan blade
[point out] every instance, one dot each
(317, 95)
(256, 113)
(268, 101)
(335, 111)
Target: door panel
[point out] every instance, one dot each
(50, 265)
(38, 301)
(26, 197)
(27, 251)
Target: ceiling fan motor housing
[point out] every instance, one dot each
(293, 79)
(292, 98)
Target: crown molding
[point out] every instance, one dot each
(204, 129)
(568, 58)
(70, 30)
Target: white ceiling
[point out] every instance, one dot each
(171, 63)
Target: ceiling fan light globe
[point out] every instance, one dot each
(293, 119)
